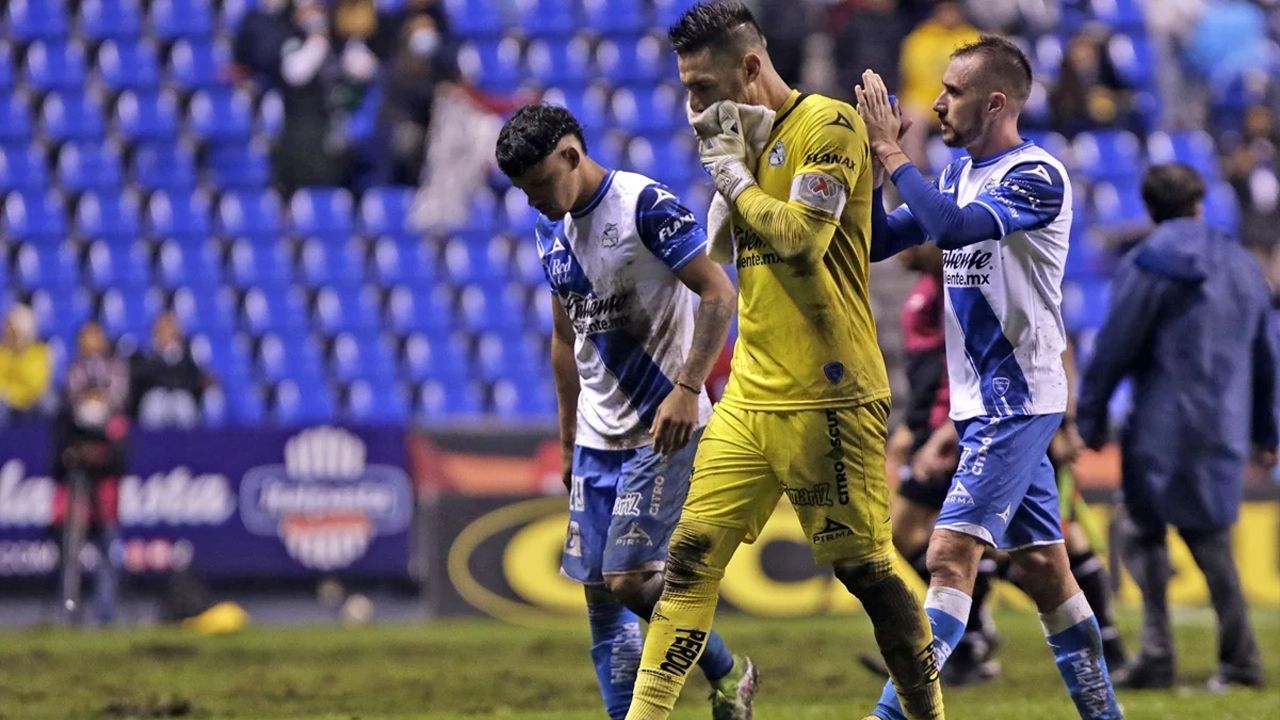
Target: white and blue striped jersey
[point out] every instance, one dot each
(1005, 335)
(612, 266)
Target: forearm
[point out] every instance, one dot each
(790, 232)
(891, 235)
(710, 330)
(300, 66)
(565, 369)
(950, 225)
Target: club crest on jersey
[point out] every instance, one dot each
(609, 238)
(778, 154)
(834, 371)
(1000, 385)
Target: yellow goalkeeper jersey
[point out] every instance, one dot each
(806, 335)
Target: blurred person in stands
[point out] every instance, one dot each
(166, 383)
(1229, 43)
(1189, 325)
(324, 80)
(259, 39)
(867, 34)
(926, 52)
(1251, 168)
(89, 457)
(25, 367)
(1090, 93)
(1170, 24)
(424, 62)
(790, 25)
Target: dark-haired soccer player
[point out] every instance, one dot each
(630, 355)
(1002, 215)
(807, 402)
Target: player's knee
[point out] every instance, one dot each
(953, 558)
(860, 575)
(629, 588)
(698, 552)
(1043, 573)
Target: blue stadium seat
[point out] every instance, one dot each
(499, 354)
(1193, 147)
(270, 118)
(178, 214)
(175, 19)
(55, 65)
(143, 116)
(303, 403)
(347, 308)
(378, 403)
(335, 260)
(475, 18)
(197, 64)
(384, 210)
(15, 119)
(263, 262)
(89, 166)
(648, 110)
(1133, 59)
(49, 262)
(491, 64)
(492, 306)
(1046, 57)
(109, 215)
(71, 116)
(219, 351)
(164, 166)
(61, 312)
(440, 402)
(251, 213)
(322, 212)
(521, 217)
(110, 19)
(1124, 15)
(1053, 142)
(7, 79)
(420, 308)
(615, 17)
(120, 265)
(631, 61)
(548, 18)
(1112, 155)
(554, 63)
(22, 167)
(399, 260)
(279, 358)
(129, 65)
(589, 105)
(1222, 208)
(239, 167)
(1085, 302)
(128, 310)
(1119, 203)
(484, 214)
(669, 11)
(527, 267)
(221, 115)
(199, 304)
(30, 20)
(523, 397)
(35, 216)
(246, 407)
(354, 357)
(435, 355)
(180, 264)
(283, 309)
(478, 258)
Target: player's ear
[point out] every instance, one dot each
(572, 156)
(997, 102)
(751, 65)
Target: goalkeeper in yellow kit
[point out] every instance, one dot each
(807, 403)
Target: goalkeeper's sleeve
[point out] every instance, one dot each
(790, 231)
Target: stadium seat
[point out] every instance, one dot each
(110, 19)
(433, 356)
(176, 19)
(180, 264)
(1113, 155)
(299, 404)
(15, 119)
(384, 210)
(89, 166)
(35, 216)
(1222, 208)
(589, 105)
(345, 308)
(329, 261)
(239, 167)
(128, 64)
(475, 18)
(1133, 59)
(1193, 147)
(641, 110)
(55, 65)
(669, 11)
(553, 19)
(109, 215)
(199, 305)
(1126, 15)
(278, 358)
(499, 354)
(554, 63)
(269, 120)
(7, 79)
(33, 20)
(493, 65)
(526, 266)
(283, 310)
(322, 212)
(178, 214)
(49, 262)
(264, 262)
(197, 64)
(144, 116)
(411, 309)
(1119, 203)
(221, 115)
(631, 61)
(71, 116)
(476, 258)
(397, 260)
(440, 402)
(22, 167)
(128, 310)
(492, 306)
(61, 311)
(246, 407)
(615, 17)
(164, 166)
(522, 398)
(383, 403)
(356, 356)
(250, 213)
(120, 265)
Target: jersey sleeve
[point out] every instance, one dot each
(1028, 198)
(667, 228)
(835, 153)
(543, 238)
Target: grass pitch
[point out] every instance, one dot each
(456, 670)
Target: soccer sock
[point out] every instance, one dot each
(616, 644)
(681, 622)
(716, 660)
(902, 632)
(1091, 576)
(1073, 635)
(981, 588)
(948, 610)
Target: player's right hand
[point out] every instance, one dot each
(724, 154)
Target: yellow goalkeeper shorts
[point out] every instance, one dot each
(829, 462)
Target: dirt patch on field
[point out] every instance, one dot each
(133, 709)
(164, 650)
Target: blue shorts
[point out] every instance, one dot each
(1005, 491)
(623, 506)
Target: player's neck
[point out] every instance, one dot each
(774, 91)
(994, 144)
(593, 175)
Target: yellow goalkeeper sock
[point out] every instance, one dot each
(682, 618)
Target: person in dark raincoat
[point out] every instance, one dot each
(1190, 327)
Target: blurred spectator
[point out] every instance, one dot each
(391, 26)
(1090, 93)
(926, 52)
(1169, 25)
(787, 27)
(259, 39)
(166, 383)
(25, 366)
(324, 80)
(1229, 42)
(867, 34)
(89, 456)
(423, 62)
(1251, 170)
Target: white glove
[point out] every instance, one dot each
(724, 154)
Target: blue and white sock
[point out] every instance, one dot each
(948, 611)
(1076, 641)
(716, 660)
(616, 644)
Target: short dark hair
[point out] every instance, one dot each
(1004, 66)
(1172, 191)
(717, 25)
(532, 133)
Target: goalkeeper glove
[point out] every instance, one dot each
(724, 154)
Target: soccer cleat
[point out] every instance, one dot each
(731, 695)
(1222, 682)
(1145, 673)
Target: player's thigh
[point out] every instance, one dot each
(1001, 459)
(1038, 520)
(912, 523)
(651, 491)
(592, 495)
(733, 485)
(832, 467)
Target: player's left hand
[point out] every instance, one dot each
(882, 118)
(1067, 444)
(724, 154)
(675, 421)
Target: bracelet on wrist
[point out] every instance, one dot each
(688, 387)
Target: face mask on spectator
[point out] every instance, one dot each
(92, 412)
(423, 43)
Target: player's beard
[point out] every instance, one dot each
(965, 133)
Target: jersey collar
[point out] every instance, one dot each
(784, 112)
(596, 197)
(984, 162)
